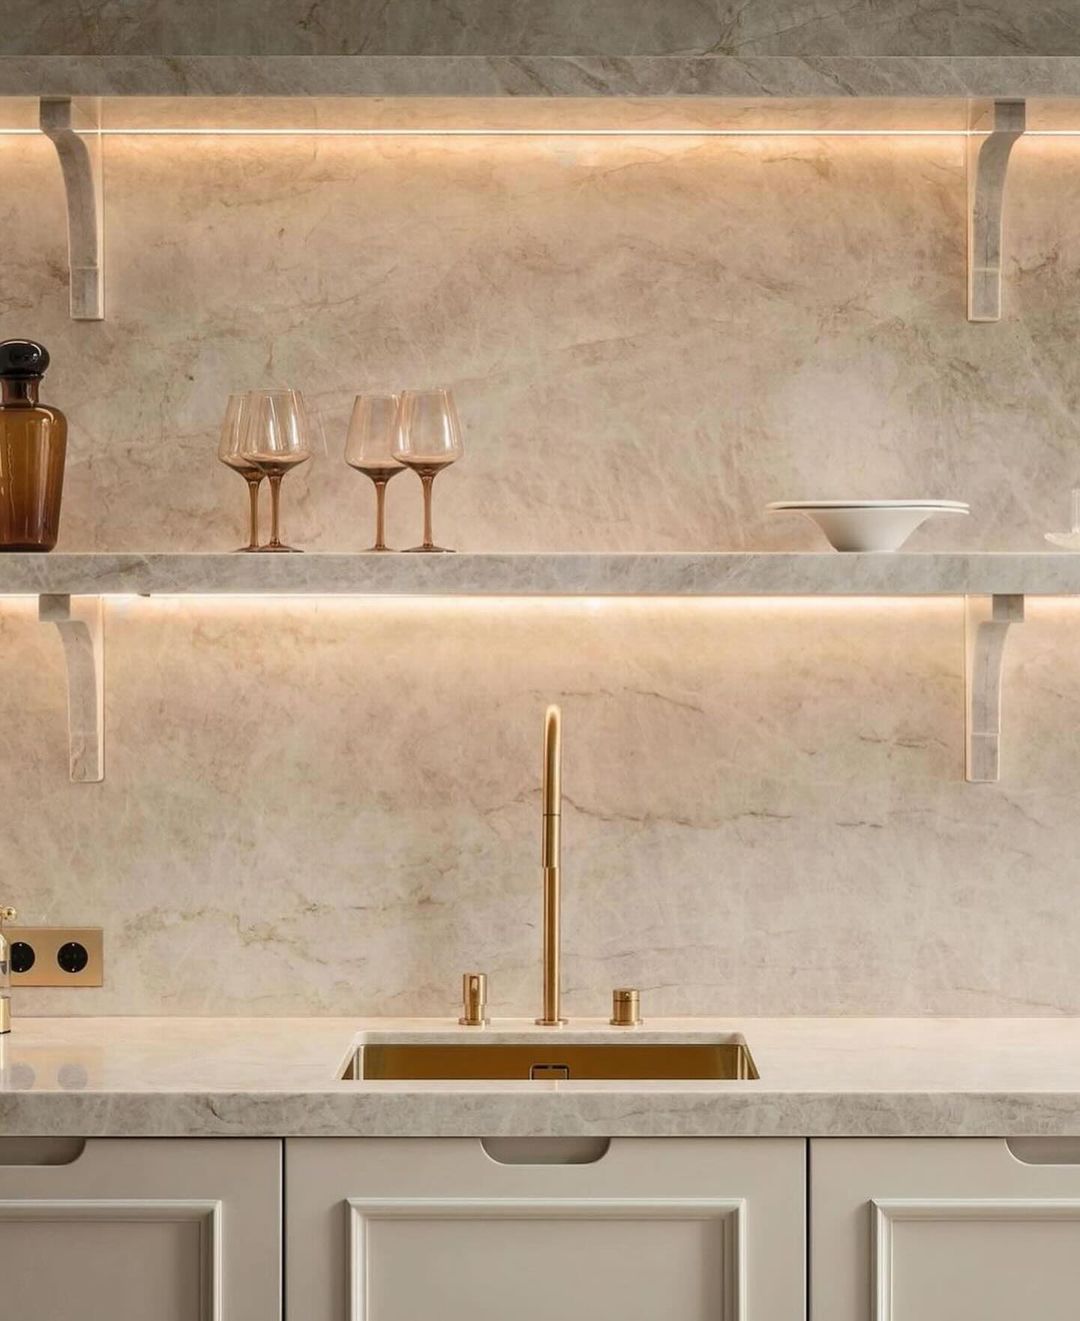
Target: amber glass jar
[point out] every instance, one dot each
(33, 445)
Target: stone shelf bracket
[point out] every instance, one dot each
(80, 160)
(81, 621)
(994, 127)
(987, 624)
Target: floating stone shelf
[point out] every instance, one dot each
(843, 76)
(748, 573)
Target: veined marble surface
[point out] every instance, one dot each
(426, 27)
(740, 573)
(819, 1077)
(544, 75)
(326, 806)
(626, 574)
(332, 805)
(644, 348)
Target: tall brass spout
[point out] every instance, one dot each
(550, 860)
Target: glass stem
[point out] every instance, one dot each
(380, 513)
(429, 540)
(253, 514)
(275, 510)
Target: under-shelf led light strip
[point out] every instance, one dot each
(542, 132)
(197, 132)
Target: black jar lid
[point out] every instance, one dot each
(23, 360)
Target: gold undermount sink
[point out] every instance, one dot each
(552, 1058)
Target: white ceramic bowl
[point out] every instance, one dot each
(868, 525)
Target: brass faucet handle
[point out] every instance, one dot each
(7, 915)
(474, 1000)
(625, 1007)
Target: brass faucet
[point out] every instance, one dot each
(550, 860)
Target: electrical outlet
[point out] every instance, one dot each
(56, 956)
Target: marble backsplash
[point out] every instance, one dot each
(555, 27)
(649, 339)
(333, 806)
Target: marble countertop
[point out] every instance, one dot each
(281, 1077)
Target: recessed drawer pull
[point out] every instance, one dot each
(545, 1151)
(1045, 1151)
(41, 1151)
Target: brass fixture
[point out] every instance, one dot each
(546, 1059)
(474, 1000)
(550, 861)
(6, 915)
(625, 1007)
(57, 956)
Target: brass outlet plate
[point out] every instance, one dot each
(47, 943)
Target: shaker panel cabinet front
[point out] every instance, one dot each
(133, 1229)
(945, 1229)
(455, 1229)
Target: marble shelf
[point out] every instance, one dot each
(702, 573)
(534, 76)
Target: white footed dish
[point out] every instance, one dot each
(876, 526)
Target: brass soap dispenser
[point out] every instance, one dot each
(33, 446)
(6, 915)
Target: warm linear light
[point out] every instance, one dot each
(534, 132)
(544, 132)
(528, 132)
(493, 601)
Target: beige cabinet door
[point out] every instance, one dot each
(133, 1229)
(455, 1229)
(945, 1229)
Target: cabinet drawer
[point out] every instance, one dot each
(944, 1229)
(134, 1229)
(462, 1230)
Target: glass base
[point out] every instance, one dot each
(246, 550)
(280, 550)
(380, 550)
(430, 550)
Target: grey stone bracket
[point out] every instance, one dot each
(986, 627)
(995, 128)
(80, 161)
(81, 623)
